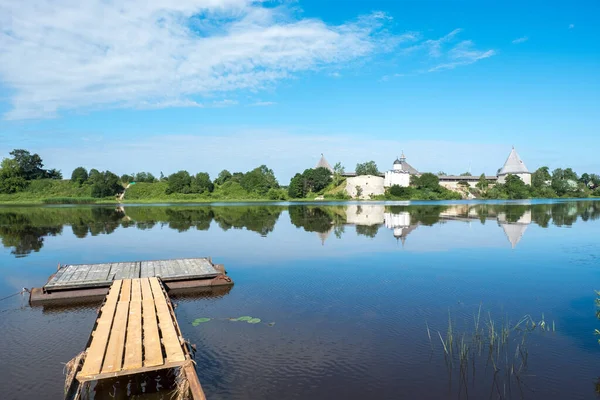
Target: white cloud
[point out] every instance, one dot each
(445, 53)
(335, 74)
(58, 55)
(520, 40)
(462, 54)
(571, 26)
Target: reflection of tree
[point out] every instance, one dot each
(260, 219)
(18, 232)
(426, 215)
(183, 219)
(312, 219)
(367, 230)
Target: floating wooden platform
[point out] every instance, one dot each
(136, 332)
(102, 275)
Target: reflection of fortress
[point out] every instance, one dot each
(514, 227)
(402, 224)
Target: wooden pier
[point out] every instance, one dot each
(136, 333)
(81, 281)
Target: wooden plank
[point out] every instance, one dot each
(146, 290)
(152, 350)
(66, 277)
(116, 344)
(133, 343)
(136, 269)
(136, 290)
(142, 370)
(192, 377)
(96, 350)
(56, 276)
(82, 271)
(170, 339)
(115, 268)
(146, 269)
(126, 290)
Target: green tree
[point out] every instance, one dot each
(367, 168)
(11, 176)
(126, 178)
(201, 183)
(179, 182)
(482, 183)
(540, 177)
(359, 191)
(79, 175)
(442, 173)
(54, 174)
(338, 171)
(146, 177)
(106, 184)
(223, 177)
(400, 192)
(93, 175)
(296, 187)
(316, 179)
(29, 164)
(465, 174)
(259, 180)
(426, 181)
(515, 188)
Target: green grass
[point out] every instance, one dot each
(70, 200)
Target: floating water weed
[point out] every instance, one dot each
(199, 321)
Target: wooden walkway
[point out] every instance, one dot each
(103, 275)
(135, 332)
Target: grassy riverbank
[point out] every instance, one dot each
(50, 191)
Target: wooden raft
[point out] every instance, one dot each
(103, 275)
(136, 332)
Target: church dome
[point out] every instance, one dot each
(397, 162)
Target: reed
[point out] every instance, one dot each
(506, 352)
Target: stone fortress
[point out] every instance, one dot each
(373, 185)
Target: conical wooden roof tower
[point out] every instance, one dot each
(324, 164)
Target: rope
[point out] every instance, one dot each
(12, 295)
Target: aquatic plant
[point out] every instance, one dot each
(492, 345)
(245, 318)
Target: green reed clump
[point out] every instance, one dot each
(70, 200)
(499, 347)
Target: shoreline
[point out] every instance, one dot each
(163, 202)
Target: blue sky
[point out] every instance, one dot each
(205, 85)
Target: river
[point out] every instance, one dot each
(430, 300)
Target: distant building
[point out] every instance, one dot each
(400, 173)
(324, 164)
(514, 166)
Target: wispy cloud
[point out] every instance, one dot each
(335, 74)
(571, 26)
(58, 55)
(462, 54)
(262, 104)
(520, 40)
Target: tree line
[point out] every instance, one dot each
(23, 167)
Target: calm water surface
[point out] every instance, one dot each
(351, 289)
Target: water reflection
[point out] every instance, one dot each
(23, 229)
